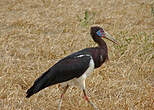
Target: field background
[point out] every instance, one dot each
(35, 34)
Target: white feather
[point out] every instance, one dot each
(80, 82)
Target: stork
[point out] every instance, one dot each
(73, 69)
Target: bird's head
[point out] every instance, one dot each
(98, 32)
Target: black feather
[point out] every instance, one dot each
(72, 66)
(64, 70)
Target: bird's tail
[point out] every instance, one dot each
(40, 83)
(31, 91)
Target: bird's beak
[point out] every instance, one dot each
(109, 37)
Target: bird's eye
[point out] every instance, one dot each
(100, 33)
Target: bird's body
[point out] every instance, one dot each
(74, 69)
(76, 66)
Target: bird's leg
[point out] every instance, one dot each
(87, 99)
(61, 98)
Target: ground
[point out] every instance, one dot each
(35, 34)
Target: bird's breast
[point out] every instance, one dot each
(99, 58)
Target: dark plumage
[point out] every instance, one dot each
(77, 65)
(60, 72)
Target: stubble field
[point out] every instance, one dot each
(35, 34)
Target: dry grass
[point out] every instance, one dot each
(34, 34)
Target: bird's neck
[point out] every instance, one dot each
(102, 53)
(101, 43)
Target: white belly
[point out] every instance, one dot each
(80, 82)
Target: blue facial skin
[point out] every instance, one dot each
(99, 33)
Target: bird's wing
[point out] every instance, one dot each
(64, 70)
(72, 67)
